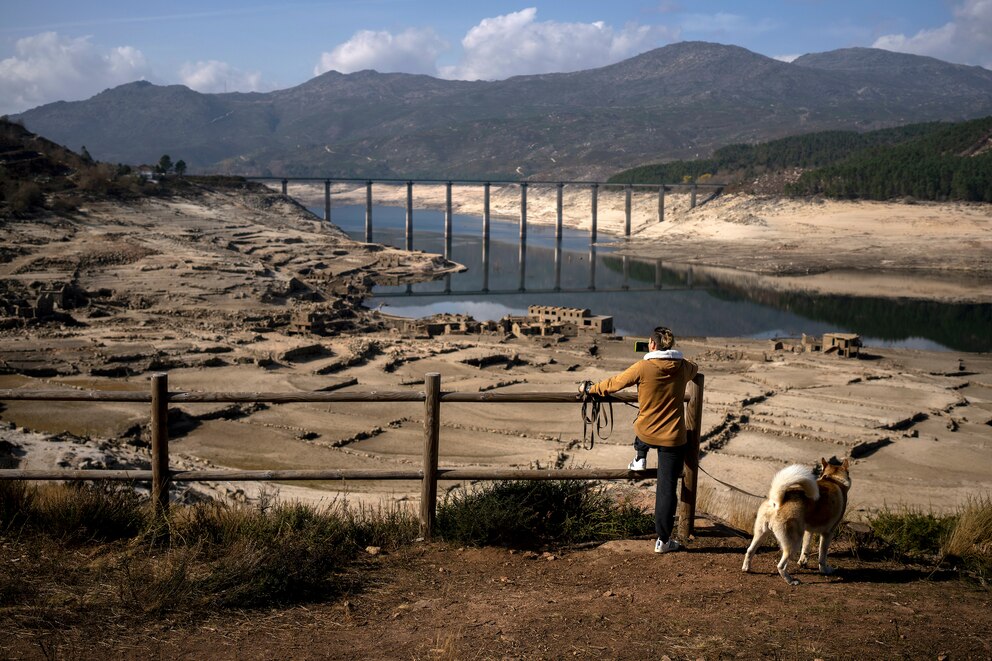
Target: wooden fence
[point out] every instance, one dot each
(161, 476)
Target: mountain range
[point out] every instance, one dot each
(679, 101)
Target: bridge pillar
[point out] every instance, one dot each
(285, 186)
(523, 210)
(626, 209)
(661, 203)
(485, 211)
(368, 211)
(327, 201)
(692, 199)
(485, 237)
(409, 215)
(558, 216)
(447, 220)
(595, 202)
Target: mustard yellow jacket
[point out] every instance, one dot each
(660, 394)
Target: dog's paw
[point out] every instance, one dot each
(746, 567)
(792, 581)
(827, 570)
(803, 560)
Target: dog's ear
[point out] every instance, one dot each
(824, 462)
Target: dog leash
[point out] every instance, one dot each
(727, 484)
(595, 418)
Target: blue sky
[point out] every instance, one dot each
(71, 49)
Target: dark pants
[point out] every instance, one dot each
(670, 464)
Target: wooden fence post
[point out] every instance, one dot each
(160, 441)
(432, 426)
(693, 424)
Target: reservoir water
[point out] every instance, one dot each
(640, 294)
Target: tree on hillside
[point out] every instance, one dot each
(180, 167)
(164, 164)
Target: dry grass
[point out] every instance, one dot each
(970, 540)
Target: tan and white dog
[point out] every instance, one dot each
(798, 505)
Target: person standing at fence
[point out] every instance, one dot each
(661, 377)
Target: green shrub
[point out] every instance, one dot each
(911, 532)
(525, 514)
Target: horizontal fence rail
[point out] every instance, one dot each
(161, 476)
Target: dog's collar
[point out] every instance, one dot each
(844, 483)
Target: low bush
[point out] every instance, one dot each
(16, 502)
(524, 514)
(912, 532)
(27, 196)
(962, 539)
(195, 559)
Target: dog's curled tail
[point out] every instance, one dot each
(791, 477)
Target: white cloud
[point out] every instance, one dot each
(48, 67)
(516, 43)
(212, 76)
(967, 39)
(411, 51)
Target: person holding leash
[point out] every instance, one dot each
(661, 377)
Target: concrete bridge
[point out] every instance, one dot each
(593, 186)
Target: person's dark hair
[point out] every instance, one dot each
(663, 338)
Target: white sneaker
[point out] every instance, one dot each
(638, 464)
(666, 547)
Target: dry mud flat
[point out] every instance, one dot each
(916, 423)
(204, 289)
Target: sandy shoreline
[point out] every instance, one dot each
(932, 251)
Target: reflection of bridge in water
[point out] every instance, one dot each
(624, 286)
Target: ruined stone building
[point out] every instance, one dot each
(583, 319)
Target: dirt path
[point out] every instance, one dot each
(619, 600)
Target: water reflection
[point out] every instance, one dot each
(513, 273)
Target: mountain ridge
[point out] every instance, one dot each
(678, 101)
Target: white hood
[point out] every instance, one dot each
(668, 354)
